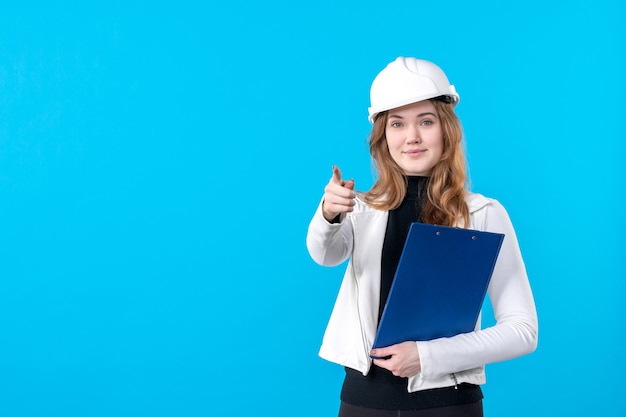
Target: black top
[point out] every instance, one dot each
(398, 224)
(380, 388)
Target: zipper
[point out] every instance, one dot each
(358, 313)
(456, 381)
(358, 308)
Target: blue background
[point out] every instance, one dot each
(159, 164)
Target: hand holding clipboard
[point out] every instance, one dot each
(440, 284)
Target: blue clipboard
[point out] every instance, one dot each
(440, 284)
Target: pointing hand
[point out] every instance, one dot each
(338, 196)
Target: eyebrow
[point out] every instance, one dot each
(397, 116)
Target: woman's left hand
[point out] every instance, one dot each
(404, 359)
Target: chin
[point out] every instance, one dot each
(417, 172)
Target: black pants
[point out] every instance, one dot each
(464, 410)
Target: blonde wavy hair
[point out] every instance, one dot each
(445, 204)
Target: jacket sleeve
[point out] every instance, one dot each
(329, 244)
(516, 329)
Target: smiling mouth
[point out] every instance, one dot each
(415, 152)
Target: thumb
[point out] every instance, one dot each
(380, 353)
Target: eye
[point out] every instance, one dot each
(395, 124)
(427, 122)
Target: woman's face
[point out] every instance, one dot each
(414, 137)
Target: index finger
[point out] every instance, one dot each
(337, 175)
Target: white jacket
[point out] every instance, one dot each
(445, 362)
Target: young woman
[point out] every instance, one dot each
(416, 145)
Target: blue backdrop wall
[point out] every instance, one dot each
(160, 161)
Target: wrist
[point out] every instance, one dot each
(332, 217)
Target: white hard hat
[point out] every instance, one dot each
(408, 80)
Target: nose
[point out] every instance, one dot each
(413, 134)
